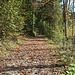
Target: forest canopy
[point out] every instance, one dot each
(32, 17)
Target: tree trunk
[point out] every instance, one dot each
(73, 26)
(65, 2)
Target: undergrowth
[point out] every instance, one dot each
(71, 69)
(8, 43)
(68, 57)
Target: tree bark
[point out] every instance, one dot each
(65, 2)
(73, 26)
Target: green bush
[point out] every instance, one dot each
(50, 42)
(66, 56)
(71, 69)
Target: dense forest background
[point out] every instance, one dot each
(34, 17)
(22, 21)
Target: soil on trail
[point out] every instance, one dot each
(33, 57)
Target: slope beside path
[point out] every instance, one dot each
(33, 57)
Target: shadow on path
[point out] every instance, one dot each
(30, 67)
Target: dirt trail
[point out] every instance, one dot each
(33, 57)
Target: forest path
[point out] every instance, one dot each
(33, 57)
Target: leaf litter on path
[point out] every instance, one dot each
(33, 57)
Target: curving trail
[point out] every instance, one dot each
(33, 57)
